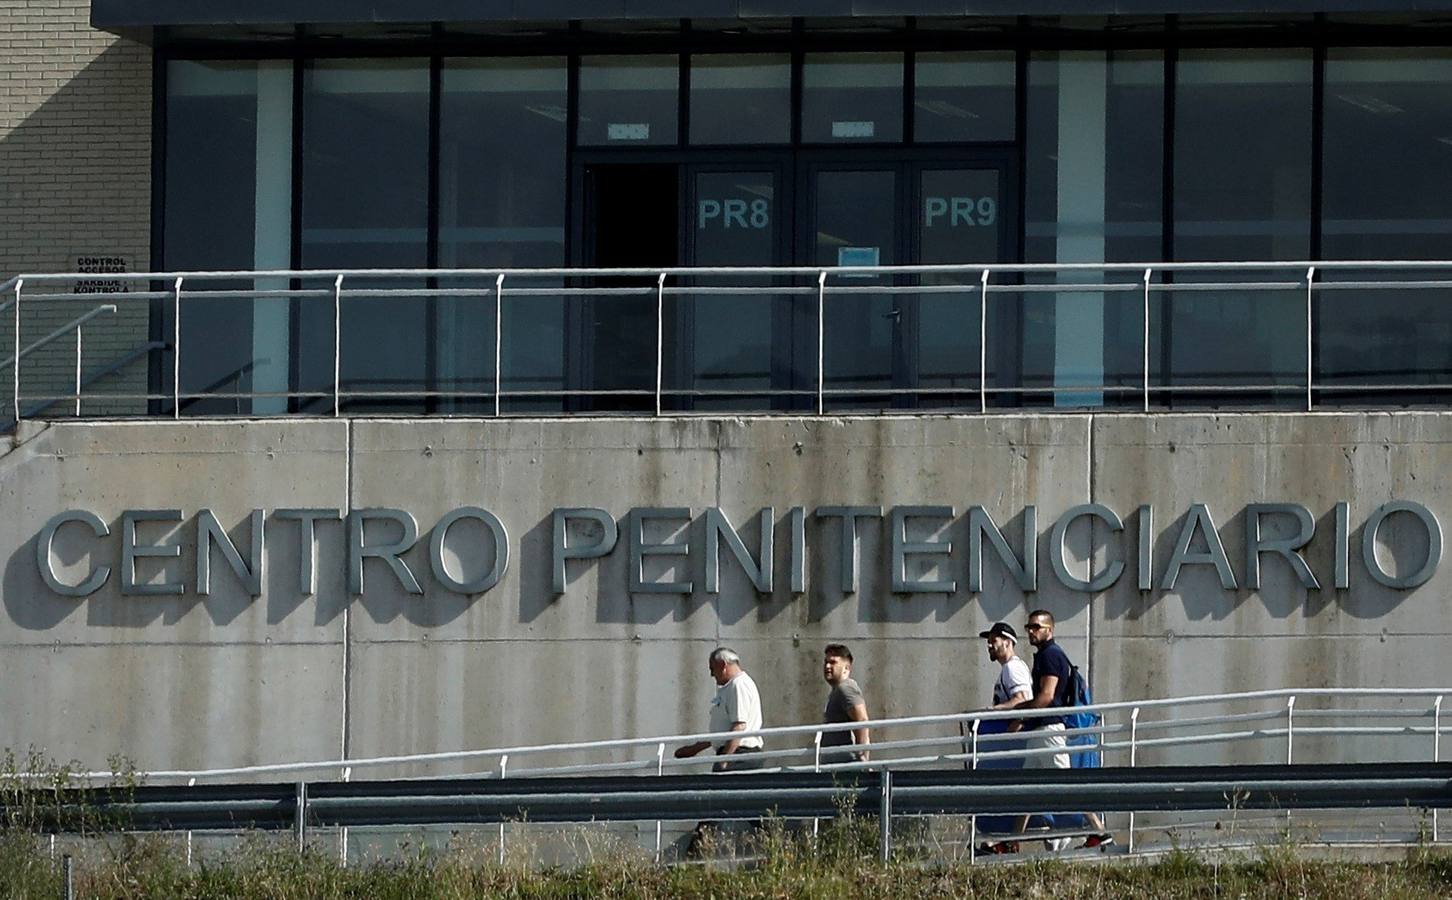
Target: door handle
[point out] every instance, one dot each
(895, 314)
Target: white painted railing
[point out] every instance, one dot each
(972, 285)
(953, 739)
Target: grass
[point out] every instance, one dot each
(839, 862)
(264, 866)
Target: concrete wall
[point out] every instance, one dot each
(226, 679)
(75, 179)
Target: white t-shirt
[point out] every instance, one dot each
(1013, 678)
(737, 701)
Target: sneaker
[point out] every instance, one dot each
(1099, 840)
(1059, 845)
(1003, 847)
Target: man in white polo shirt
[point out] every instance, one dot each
(736, 707)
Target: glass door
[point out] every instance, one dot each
(960, 218)
(732, 343)
(887, 348)
(854, 219)
(632, 217)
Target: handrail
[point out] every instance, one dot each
(60, 332)
(795, 730)
(93, 376)
(637, 271)
(972, 285)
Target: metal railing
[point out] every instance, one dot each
(814, 289)
(1399, 724)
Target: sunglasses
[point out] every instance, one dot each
(1034, 626)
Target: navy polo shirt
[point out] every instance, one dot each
(1050, 660)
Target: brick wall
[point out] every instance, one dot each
(75, 179)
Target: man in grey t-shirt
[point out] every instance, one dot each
(844, 704)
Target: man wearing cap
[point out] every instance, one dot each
(1013, 686)
(1015, 683)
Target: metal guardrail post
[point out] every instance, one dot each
(816, 767)
(300, 817)
(15, 374)
(972, 766)
(191, 782)
(503, 770)
(1133, 753)
(68, 880)
(337, 344)
(78, 371)
(821, 341)
(1148, 273)
(498, 338)
(1436, 750)
(884, 817)
(176, 350)
(1290, 727)
(343, 832)
(659, 770)
(659, 338)
(983, 343)
(1310, 305)
(1290, 744)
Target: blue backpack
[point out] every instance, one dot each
(1076, 717)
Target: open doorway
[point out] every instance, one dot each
(632, 221)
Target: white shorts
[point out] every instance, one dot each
(1043, 739)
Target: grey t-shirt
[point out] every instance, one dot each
(839, 709)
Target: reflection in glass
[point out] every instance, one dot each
(628, 100)
(365, 205)
(852, 97)
(501, 203)
(228, 195)
(1241, 193)
(964, 96)
(1386, 105)
(738, 99)
(734, 223)
(856, 224)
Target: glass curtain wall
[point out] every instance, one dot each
(741, 99)
(365, 205)
(1094, 183)
(852, 98)
(1387, 177)
(502, 137)
(228, 190)
(1241, 149)
(1242, 189)
(962, 97)
(629, 101)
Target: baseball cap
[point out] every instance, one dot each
(1000, 629)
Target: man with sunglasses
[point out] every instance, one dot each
(1052, 678)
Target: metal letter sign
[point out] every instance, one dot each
(919, 549)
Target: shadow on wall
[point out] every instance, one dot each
(75, 180)
(603, 583)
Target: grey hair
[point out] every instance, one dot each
(726, 656)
